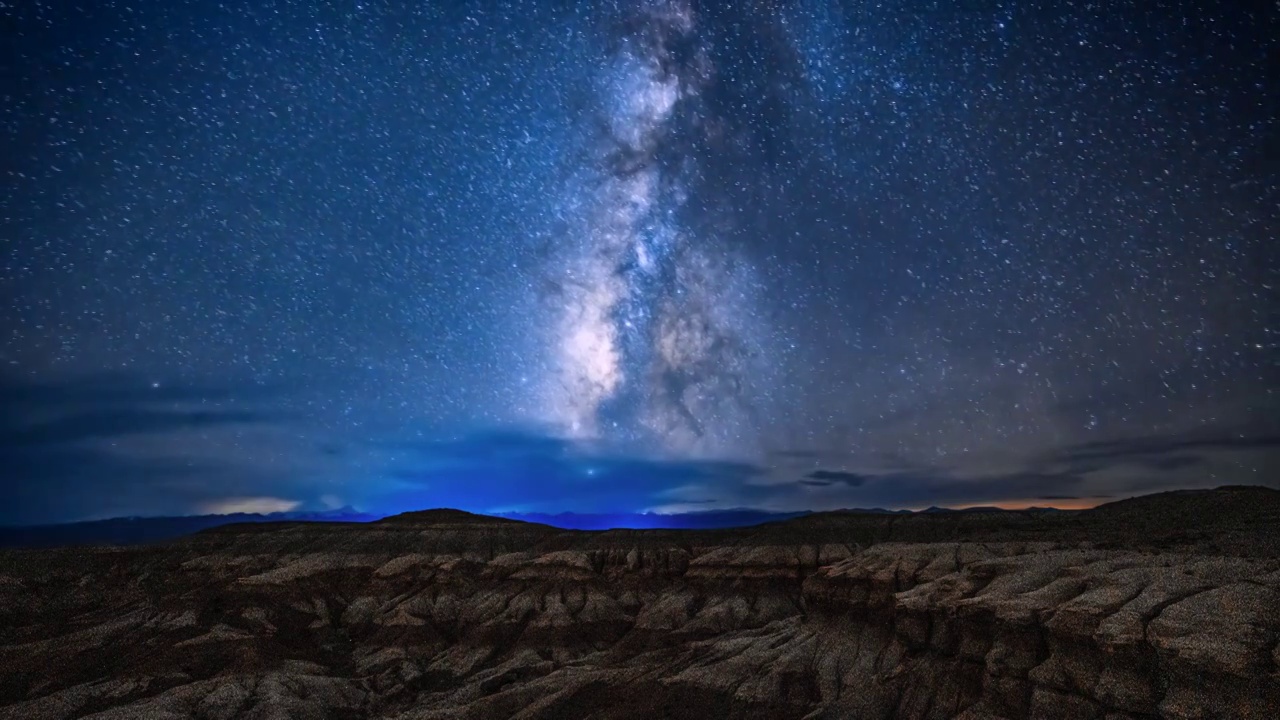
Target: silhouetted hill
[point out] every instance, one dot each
(139, 530)
(1226, 518)
(443, 516)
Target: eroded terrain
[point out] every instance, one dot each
(1165, 606)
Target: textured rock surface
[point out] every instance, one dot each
(1167, 606)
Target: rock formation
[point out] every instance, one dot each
(1164, 606)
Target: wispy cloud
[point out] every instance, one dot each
(821, 478)
(260, 505)
(116, 445)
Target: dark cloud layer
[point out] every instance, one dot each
(831, 477)
(114, 445)
(70, 452)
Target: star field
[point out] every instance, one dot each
(308, 252)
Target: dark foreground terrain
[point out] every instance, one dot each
(1161, 606)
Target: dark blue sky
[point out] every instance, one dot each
(626, 256)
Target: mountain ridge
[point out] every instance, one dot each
(134, 530)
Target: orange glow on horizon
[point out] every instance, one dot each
(1064, 504)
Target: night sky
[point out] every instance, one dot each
(634, 256)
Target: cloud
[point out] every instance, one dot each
(527, 471)
(788, 455)
(831, 477)
(113, 444)
(1089, 471)
(110, 446)
(1148, 448)
(907, 490)
(116, 422)
(1159, 462)
(1174, 462)
(64, 483)
(111, 406)
(260, 505)
(530, 471)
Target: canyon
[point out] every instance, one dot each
(1163, 606)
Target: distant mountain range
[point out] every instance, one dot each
(703, 520)
(710, 519)
(141, 530)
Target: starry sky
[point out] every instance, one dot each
(649, 255)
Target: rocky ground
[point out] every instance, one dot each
(1163, 606)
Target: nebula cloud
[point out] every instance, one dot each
(653, 318)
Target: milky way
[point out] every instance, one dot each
(657, 332)
(651, 253)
